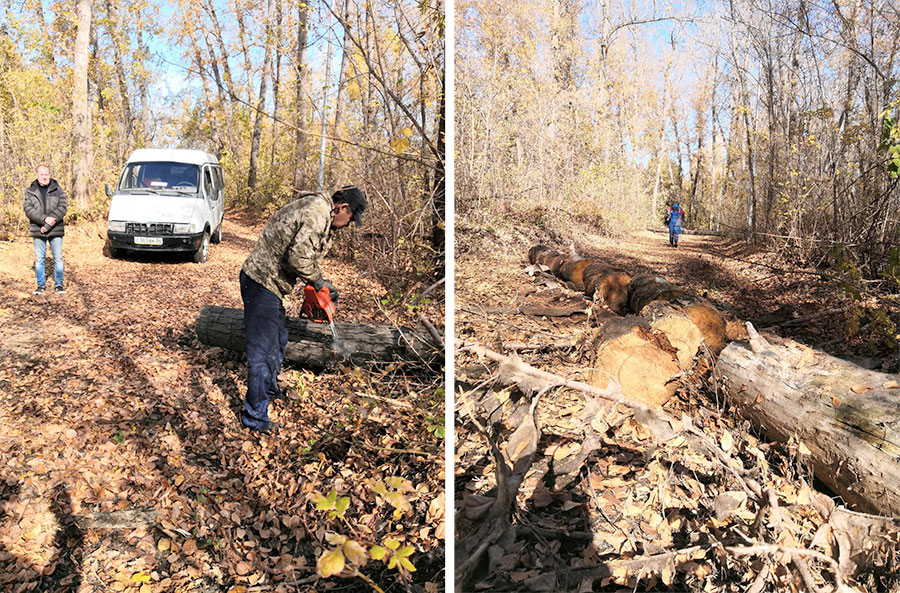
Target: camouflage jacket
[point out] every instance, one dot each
(291, 245)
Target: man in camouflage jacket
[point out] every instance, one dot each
(289, 249)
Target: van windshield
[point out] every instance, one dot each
(181, 177)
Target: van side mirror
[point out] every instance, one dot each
(108, 191)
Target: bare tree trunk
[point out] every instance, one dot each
(276, 84)
(300, 98)
(260, 104)
(207, 94)
(311, 344)
(771, 114)
(142, 87)
(226, 73)
(95, 76)
(439, 212)
(127, 125)
(845, 415)
(337, 165)
(81, 109)
(242, 36)
(46, 39)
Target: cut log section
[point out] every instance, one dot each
(312, 345)
(709, 321)
(556, 262)
(535, 251)
(626, 349)
(646, 288)
(682, 333)
(610, 287)
(846, 416)
(573, 271)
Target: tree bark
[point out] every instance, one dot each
(81, 108)
(336, 170)
(311, 344)
(144, 135)
(276, 85)
(260, 104)
(300, 99)
(127, 122)
(789, 389)
(439, 211)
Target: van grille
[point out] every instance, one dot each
(155, 228)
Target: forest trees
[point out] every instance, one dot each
(241, 80)
(769, 120)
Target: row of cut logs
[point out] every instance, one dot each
(656, 332)
(845, 416)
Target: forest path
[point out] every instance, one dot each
(747, 283)
(109, 402)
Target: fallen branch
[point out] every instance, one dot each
(519, 347)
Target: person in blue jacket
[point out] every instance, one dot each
(675, 219)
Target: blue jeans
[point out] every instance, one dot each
(265, 325)
(674, 230)
(40, 257)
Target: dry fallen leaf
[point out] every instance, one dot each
(727, 441)
(892, 384)
(189, 547)
(860, 389)
(242, 568)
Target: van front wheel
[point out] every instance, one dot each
(217, 236)
(201, 254)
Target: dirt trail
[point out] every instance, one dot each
(109, 402)
(747, 283)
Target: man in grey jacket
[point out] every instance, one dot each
(45, 207)
(289, 249)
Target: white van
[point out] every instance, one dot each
(167, 200)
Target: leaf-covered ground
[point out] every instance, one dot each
(111, 409)
(640, 514)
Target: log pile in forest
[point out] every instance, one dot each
(311, 344)
(844, 415)
(656, 331)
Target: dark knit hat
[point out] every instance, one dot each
(353, 196)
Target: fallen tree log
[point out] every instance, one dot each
(846, 416)
(312, 345)
(684, 231)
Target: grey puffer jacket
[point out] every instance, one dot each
(36, 210)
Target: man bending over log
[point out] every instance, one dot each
(289, 248)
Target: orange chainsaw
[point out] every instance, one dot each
(318, 307)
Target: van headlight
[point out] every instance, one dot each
(181, 228)
(117, 226)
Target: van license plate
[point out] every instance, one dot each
(148, 241)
